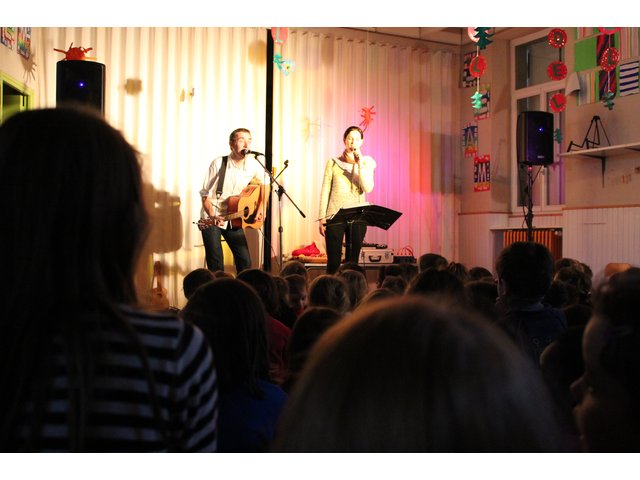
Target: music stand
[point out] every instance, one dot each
(370, 215)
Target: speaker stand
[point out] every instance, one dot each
(528, 217)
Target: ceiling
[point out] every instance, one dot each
(447, 35)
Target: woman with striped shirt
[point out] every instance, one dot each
(81, 368)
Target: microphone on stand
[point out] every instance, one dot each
(246, 151)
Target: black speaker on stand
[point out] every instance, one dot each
(80, 82)
(534, 146)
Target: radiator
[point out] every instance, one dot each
(549, 237)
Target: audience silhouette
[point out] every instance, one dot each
(525, 272)
(447, 382)
(82, 368)
(232, 317)
(608, 394)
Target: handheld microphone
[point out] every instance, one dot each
(251, 152)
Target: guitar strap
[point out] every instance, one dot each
(221, 173)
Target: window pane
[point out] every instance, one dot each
(532, 60)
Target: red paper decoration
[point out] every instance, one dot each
(557, 70)
(609, 59)
(609, 30)
(477, 66)
(279, 34)
(557, 38)
(558, 102)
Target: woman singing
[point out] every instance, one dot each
(346, 180)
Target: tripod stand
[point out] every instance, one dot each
(280, 191)
(528, 217)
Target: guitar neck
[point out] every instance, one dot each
(231, 216)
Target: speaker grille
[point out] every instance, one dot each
(80, 81)
(535, 138)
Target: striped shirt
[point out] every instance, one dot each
(120, 416)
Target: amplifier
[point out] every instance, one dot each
(376, 255)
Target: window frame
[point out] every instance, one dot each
(542, 90)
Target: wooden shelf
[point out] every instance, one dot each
(602, 153)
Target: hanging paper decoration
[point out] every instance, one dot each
(470, 140)
(75, 53)
(609, 59)
(24, 42)
(558, 102)
(468, 80)
(557, 70)
(367, 116)
(485, 99)
(483, 36)
(476, 100)
(557, 136)
(285, 66)
(608, 100)
(7, 37)
(557, 38)
(482, 174)
(279, 34)
(609, 30)
(477, 66)
(629, 77)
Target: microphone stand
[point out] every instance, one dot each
(280, 191)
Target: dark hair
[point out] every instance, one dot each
(296, 282)
(388, 270)
(194, 279)
(329, 291)
(481, 296)
(351, 266)
(232, 317)
(578, 279)
(78, 259)
(618, 302)
(432, 260)
(266, 287)
(447, 382)
(311, 324)
(395, 283)
(437, 283)
(351, 129)
(291, 267)
(526, 268)
(479, 273)
(357, 285)
(232, 135)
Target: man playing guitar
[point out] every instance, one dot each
(232, 198)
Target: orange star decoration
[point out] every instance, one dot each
(367, 116)
(75, 53)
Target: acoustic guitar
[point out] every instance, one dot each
(242, 209)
